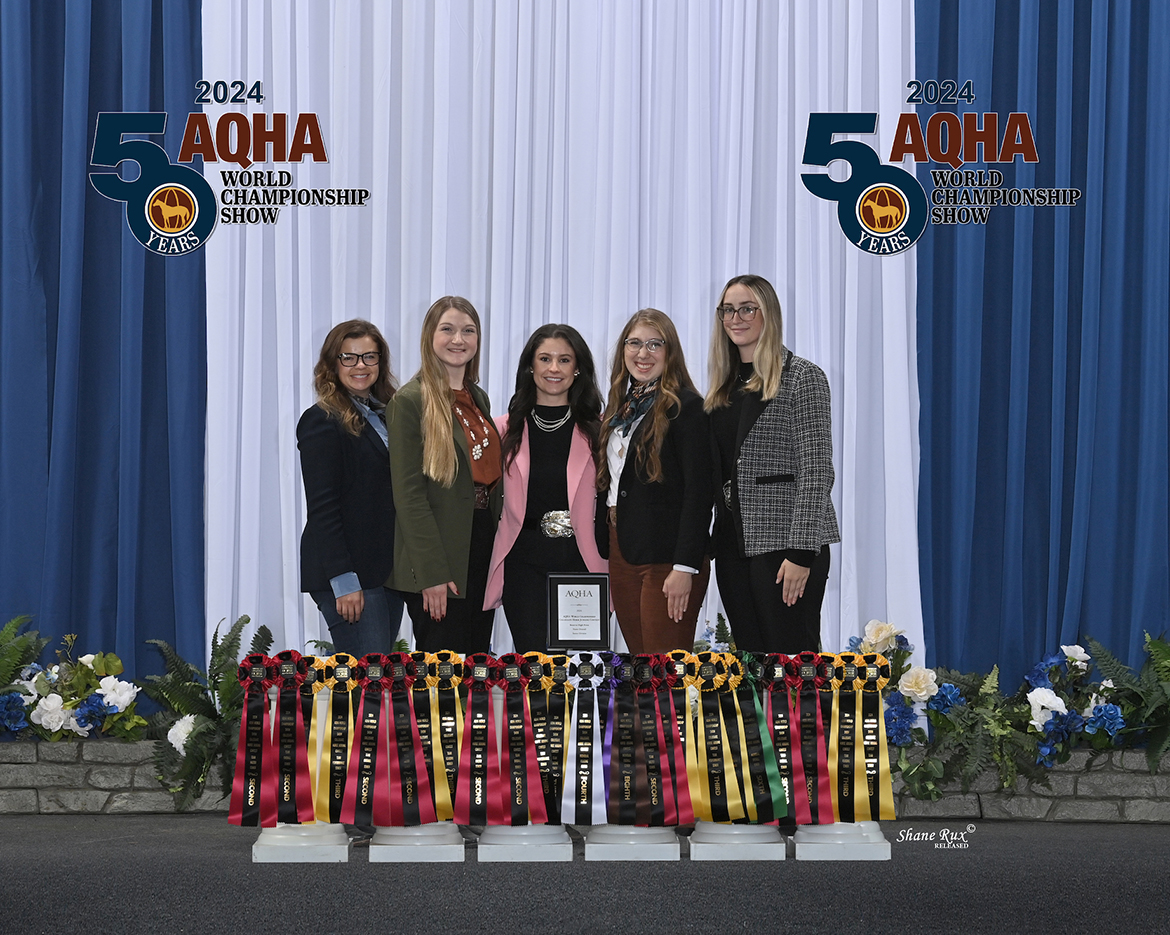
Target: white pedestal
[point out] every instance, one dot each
(321, 843)
(845, 840)
(508, 844)
(626, 842)
(438, 842)
(712, 840)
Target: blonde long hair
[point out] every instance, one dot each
(331, 395)
(439, 461)
(768, 360)
(675, 376)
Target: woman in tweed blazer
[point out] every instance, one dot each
(773, 454)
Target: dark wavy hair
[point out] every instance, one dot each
(331, 395)
(584, 397)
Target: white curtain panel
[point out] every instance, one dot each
(556, 161)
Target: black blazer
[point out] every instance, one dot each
(669, 522)
(350, 522)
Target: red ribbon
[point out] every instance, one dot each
(294, 790)
(367, 786)
(524, 795)
(477, 793)
(812, 795)
(253, 800)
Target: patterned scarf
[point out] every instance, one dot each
(637, 403)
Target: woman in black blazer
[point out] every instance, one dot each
(658, 476)
(773, 451)
(347, 548)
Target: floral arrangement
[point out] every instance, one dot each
(974, 727)
(70, 699)
(717, 639)
(200, 717)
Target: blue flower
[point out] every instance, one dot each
(948, 697)
(900, 642)
(30, 672)
(1106, 717)
(1038, 675)
(855, 644)
(12, 712)
(92, 711)
(901, 719)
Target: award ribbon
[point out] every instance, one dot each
(444, 679)
(583, 801)
(762, 776)
(672, 685)
(656, 806)
(808, 739)
(735, 734)
(720, 799)
(411, 802)
(477, 795)
(874, 677)
(314, 672)
(339, 680)
(627, 757)
(253, 800)
(549, 755)
(776, 716)
(518, 763)
(367, 786)
(421, 691)
(294, 789)
(684, 695)
(845, 749)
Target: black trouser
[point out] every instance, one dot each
(532, 558)
(760, 620)
(467, 627)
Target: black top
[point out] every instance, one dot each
(725, 429)
(548, 485)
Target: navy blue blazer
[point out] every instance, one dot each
(350, 521)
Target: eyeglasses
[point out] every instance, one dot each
(370, 358)
(636, 344)
(726, 312)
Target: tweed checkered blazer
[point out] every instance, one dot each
(784, 470)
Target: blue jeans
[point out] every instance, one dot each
(376, 629)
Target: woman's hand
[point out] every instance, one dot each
(350, 606)
(677, 588)
(435, 599)
(793, 577)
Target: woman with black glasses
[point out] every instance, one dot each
(773, 450)
(347, 547)
(657, 479)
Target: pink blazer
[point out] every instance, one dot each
(582, 477)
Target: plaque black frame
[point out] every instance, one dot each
(558, 642)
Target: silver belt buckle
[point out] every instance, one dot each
(556, 524)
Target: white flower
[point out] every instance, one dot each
(180, 731)
(117, 693)
(50, 712)
(1077, 657)
(27, 689)
(87, 659)
(882, 637)
(1044, 702)
(72, 725)
(1108, 683)
(919, 683)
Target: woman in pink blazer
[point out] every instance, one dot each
(549, 442)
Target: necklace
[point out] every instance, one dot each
(547, 425)
(477, 444)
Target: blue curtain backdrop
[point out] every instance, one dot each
(1043, 343)
(102, 346)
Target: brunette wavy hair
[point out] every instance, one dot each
(666, 406)
(331, 395)
(584, 397)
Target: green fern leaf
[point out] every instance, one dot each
(261, 640)
(1111, 667)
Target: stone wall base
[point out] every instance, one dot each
(86, 777)
(1114, 786)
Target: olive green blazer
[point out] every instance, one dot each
(432, 523)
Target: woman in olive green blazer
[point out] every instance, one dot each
(441, 439)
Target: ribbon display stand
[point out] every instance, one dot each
(520, 843)
(844, 840)
(712, 840)
(630, 842)
(301, 844)
(437, 842)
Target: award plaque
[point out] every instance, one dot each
(578, 612)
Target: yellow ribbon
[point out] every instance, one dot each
(876, 676)
(337, 676)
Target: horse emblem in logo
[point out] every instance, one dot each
(172, 209)
(882, 209)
